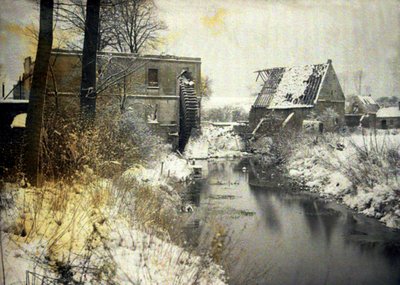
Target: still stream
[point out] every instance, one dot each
(275, 233)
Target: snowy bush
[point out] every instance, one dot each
(225, 114)
(375, 161)
(215, 142)
(361, 170)
(115, 142)
(277, 148)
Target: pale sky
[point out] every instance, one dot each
(236, 37)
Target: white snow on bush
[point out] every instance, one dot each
(139, 258)
(169, 167)
(145, 259)
(365, 187)
(215, 142)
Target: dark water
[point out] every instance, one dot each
(279, 235)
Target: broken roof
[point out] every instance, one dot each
(290, 87)
(369, 103)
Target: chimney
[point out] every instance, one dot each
(329, 61)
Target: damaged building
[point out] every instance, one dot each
(361, 110)
(163, 89)
(294, 97)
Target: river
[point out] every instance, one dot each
(263, 230)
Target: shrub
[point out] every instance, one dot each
(225, 114)
(376, 160)
(115, 142)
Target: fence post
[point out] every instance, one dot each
(3, 90)
(20, 87)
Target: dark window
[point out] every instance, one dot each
(384, 124)
(152, 77)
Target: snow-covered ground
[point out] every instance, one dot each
(107, 231)
(132, 257)
(215, 142)
(360, 170)
(168, 168)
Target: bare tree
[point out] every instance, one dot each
(37, 96)
(72, 15)
(136, 26)
(206, 87)
(89, 59)
(125, 25)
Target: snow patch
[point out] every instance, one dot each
(19, 121)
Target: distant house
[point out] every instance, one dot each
(361, 110)
(291, 95)
(388, 118)
(21, 90)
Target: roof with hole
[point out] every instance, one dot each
(291, 87)
(369, 104)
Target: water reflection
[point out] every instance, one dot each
(299, 238)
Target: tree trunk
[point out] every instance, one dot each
(89, 57)
(34, 121)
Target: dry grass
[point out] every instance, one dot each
(65, 222)
(117, 140)
(72, 215)
(72, 224)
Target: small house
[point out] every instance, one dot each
(361, 110)
(290, 95)
(388, 118)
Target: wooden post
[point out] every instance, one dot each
(20, 87)
(3, 90)
(123, 96)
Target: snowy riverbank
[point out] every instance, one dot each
(359, 170)
(98, 231)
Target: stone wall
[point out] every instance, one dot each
(388, 123)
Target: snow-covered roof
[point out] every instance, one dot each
(162, 57)
(389, 112)
(291, 87)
